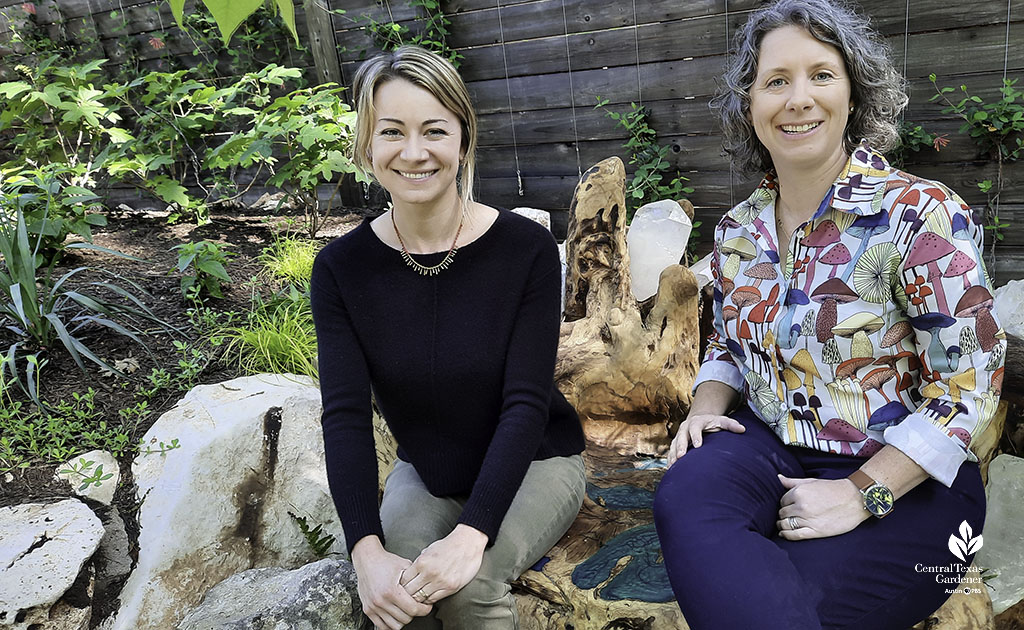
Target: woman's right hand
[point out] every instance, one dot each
(378, 573)
(692, 430)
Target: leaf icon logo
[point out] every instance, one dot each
(966, 544)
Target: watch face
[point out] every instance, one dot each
(878, 500)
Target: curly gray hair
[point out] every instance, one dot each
(878, 89)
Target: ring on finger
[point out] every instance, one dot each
(792, 522)
(421, 597)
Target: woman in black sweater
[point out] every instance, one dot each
(459, 352)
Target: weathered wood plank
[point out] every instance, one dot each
(656, 43)
(547, 91)
(714, 190)
(322, 43)
(891, 18)
(694, 153)
(538, 19)
(667, 117)
(965, 49)
(358, 12)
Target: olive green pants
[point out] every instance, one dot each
(545, 506)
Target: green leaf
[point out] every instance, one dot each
(312, 134)
(287, 10)
(229, 14)
(77, 194)
(118, 135)
(14, 88)
(177, 8)
(213, 268)
(171, 191)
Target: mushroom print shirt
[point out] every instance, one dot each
(880, 329)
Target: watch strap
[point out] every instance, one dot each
(861, 479)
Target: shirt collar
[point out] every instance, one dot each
(859, 189)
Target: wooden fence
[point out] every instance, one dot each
(535, 69)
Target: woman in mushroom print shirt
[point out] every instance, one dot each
(855, 357)
(878, 330)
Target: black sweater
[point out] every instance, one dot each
(461, 365)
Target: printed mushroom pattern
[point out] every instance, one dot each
(880, 328)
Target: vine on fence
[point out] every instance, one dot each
(431, 32)
(998, 129)
(653, 169)
(913, 138)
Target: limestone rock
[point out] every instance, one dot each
(318, 596)
(249, 452)
(272, 203)
(1008, 299)
(93, 465)
(112, 559)
(540, 216)
(627, 372)
(43, 549)
(1004, 531)
(657, 238)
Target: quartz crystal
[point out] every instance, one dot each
(656, 238)
(1009, 299)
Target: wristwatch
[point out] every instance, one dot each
(878, 499)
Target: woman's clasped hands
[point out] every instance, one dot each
(388, 605)
(393, 590)
(446, 565)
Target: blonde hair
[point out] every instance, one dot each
(426, 70)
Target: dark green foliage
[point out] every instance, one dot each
(202, 267)
(319, 543)
(654, 177)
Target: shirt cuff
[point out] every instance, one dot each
(929, 446)
(721, 371)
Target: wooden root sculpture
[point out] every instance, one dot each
(627, 374)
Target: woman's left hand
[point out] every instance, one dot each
(446, 565)
(819, 508)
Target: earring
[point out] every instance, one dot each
(851, 109)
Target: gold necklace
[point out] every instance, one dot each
(424, 270)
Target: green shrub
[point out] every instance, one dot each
(51, 209)
(206, 261)
(291, 259)
(278, 337)
(304, 136)
(57, 115)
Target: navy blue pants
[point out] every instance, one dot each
(715, 511)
